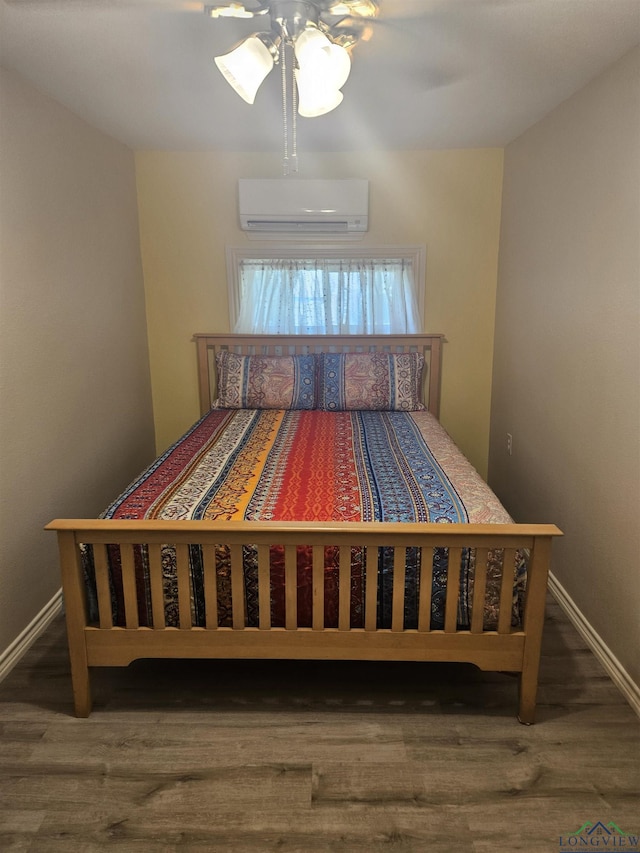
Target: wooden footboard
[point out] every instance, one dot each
(505, 648)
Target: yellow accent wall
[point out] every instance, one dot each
(448, 200)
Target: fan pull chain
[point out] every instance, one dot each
(289, 163)
(294, 121)
(285, 127)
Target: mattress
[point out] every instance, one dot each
(293, 465)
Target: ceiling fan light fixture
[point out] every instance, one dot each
(246, 66)
(311, 41)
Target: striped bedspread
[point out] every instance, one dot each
(273, 465)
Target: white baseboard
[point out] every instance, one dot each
(618, 674)
(11, 655)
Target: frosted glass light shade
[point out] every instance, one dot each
(339, 65)
(310, 40)
(315, 97)
(246, 66)
(317, 55)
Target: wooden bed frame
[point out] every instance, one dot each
(505, 649)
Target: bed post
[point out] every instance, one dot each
(204, 380)
(434, 377)
(76, 617)
(533, 624)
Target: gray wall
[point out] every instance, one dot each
(566, 381)
(76, 420)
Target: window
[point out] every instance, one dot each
(331, 291)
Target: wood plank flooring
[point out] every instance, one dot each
(313, 757)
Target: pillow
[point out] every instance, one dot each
(373, 380)
(265, 381)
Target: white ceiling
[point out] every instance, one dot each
(435, 73)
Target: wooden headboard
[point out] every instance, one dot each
(209, 344)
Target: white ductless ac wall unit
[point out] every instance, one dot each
(303, 208)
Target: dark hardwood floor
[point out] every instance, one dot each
(308, 757)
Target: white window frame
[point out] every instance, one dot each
(235, 254)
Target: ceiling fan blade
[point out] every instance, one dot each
(107, 5)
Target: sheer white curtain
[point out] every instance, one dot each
(327, 296)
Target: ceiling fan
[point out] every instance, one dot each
(319, 35)
(312, 38)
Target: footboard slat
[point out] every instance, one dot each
(237, 587)
(184, 587)
(399, 574)
(426, 583)
(344, 589)
(506, 590)
(129, 586)
(156, 585)
(371, 588)
(453, 590)
(103, 590)
(291, 587)
(318, 588)
(479, 590)
(210, 586)
(264, 588)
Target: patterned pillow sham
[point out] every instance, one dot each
(370, 381)
(265, 382)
